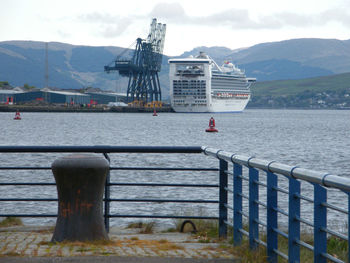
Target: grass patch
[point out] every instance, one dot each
(145, 228)
(11, 221)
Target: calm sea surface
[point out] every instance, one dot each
(318, 140)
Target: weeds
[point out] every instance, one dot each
(11, 221)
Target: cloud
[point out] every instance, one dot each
(241, 18)
(109, 26)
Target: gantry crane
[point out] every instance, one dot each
(142, 69)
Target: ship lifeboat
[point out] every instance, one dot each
(211, 127)
(17, 116)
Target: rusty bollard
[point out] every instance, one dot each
(80, 180)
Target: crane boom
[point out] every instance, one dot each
(142, 69)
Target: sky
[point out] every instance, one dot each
(190, 23)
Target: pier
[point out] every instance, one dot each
(252, 196)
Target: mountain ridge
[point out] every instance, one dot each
(77, 66)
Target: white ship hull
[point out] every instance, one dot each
(233, 105)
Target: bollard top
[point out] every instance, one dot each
(81, 161)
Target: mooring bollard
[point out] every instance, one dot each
(80, 180)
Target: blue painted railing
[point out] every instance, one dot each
(273, 173)
(241, 182)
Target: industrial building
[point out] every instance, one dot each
(7, 96)
(59, 97)
(105, 98)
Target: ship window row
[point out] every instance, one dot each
(189, 93)
(188, 81)
(230, 82)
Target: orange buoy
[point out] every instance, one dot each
(17, 116)
(154, 112)
(211, 127)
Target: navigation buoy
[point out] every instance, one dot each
(17, 116)
(211, 127)
(154, 112)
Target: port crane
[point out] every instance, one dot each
(142, 69)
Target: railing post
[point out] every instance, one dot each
(223, 199)
(272, 238)
(253, 208)
(293, 221)
(107, 196)
(320, 223)
(237, 204)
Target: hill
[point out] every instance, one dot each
(321, 92)
(75, 67)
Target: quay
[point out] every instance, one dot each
(99, 109)
(252, 195)
(32, 244)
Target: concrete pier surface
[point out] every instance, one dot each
(24, 244)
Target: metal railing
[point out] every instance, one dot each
(273, 172)
(239, 180)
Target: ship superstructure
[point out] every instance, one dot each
(198, 84)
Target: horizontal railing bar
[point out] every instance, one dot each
(228, 189)
(302, 197)
(295, 172)
(102, 149)
(25, 168)
(280, 232)
(229, 207)
(28, 215)
(306, 222)
(260, 222)
(228, 223)
(124, 184)
(243, 177)
(329, 231)
(244, 196)
(243, 232)
(260, 203)
(306, 245)
(168, 185)
(164, 216)
(243, 213)
(281, 254)
(259, 241)
(281, 211)
(260, 183)
(336, 208)
(161, 200)
(280, 190)
(28, 199)
(113, 200)
(165, 169)
(336, 260)
(28, 184)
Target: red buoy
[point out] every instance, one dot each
(211, 127)
(154, 112)
(17, 116)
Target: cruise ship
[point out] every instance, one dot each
(198, 84)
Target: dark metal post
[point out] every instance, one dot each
(293, 221)
(253, 208)
(272, 238)
(320, 223)
(80, 180)
(107, 195)
(223, 199)
(237, 204)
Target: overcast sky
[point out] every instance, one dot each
(190, 23)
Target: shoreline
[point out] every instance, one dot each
(32, 108)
